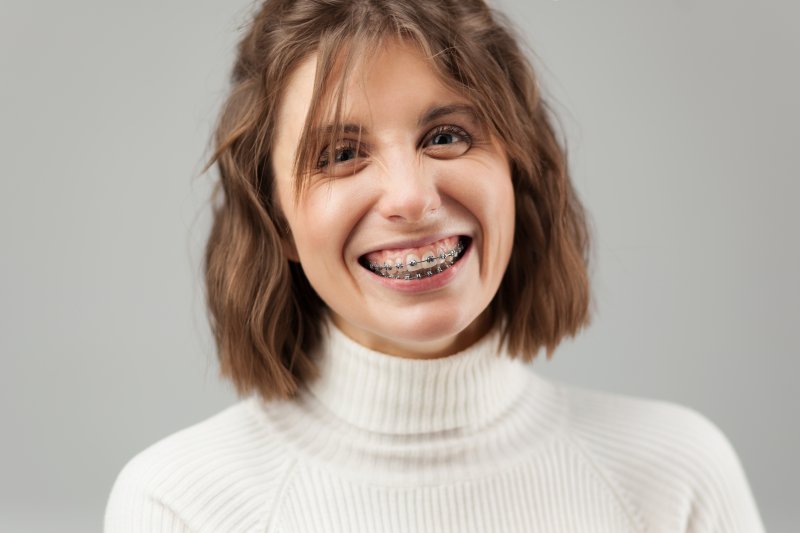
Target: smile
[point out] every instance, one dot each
(437, 259)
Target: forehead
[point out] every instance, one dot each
(395, 78)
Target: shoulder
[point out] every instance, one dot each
(646, 428)
(215, 472)
(668, 460)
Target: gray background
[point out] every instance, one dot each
(682, 123)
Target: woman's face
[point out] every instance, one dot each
(425, 179)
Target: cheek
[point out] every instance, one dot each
(326, 215)
(506, 215)
(490, 194)
(507, 201)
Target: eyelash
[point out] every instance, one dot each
(350, 144)
(451, 130)
(345, 144)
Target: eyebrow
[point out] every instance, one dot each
(437, 112)
(345, 128)
(429, 116)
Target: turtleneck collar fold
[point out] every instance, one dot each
(388, 394)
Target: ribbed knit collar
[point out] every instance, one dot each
(388, 394)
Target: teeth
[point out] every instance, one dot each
(416, 267)
(421, 253)
(413, 263)
(441, 256)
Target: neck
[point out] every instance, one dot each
(376, 391)
(411, 349)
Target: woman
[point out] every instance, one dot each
(395, 238)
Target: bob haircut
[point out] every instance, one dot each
(265, 316)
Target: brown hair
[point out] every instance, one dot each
(265, 316)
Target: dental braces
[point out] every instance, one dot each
(389, 270)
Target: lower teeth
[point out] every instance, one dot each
(419, 274)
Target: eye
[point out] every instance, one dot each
(443, 138)
(345, 157)
(447, 141)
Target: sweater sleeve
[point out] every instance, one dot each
(722, 500)
(133, 508)
(670, 462)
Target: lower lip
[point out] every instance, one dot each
(426, 283)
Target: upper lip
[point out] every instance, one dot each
(412, 243)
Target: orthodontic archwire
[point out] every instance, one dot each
(385, 268)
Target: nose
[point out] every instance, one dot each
(409, 191)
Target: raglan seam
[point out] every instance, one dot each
(629, 507)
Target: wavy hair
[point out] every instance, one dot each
(265, 316)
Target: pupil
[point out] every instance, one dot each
(441, 138)
(344, 155)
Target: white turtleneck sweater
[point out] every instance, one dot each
(472, 442)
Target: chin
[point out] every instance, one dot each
(429, 327)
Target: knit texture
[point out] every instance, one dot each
(472, 442)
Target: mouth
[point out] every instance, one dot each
(424, 262)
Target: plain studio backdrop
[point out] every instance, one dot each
(681, 118)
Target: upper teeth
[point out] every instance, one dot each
(413, 263)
